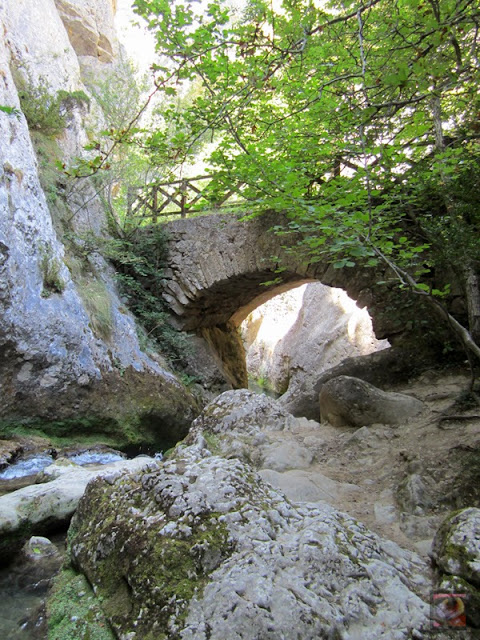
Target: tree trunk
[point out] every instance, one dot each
(437, 123)
(472, 295)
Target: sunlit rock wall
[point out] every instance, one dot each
(89, 25)
(293, 338)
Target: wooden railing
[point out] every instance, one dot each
(178, 197)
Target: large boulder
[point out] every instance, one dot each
(347, 401)
(386, 369)
(456, 552)
(70, 351)
(202, 548)
(254, 428)
(281, 447)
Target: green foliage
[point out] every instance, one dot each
(69, 99)
(46, 111)
(139, 260)
(359, 120)
(42, 109)
(73, 611)
(51, 267)
(142, 142)
(118, 93)
(319, 111)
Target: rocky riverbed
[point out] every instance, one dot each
(258, 513)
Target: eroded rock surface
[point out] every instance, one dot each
(57, 364)
(400, 480)
(255, 428)
(456, 547)
(208, 546)
(202, 548)
(89, 25)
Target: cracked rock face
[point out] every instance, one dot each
(202, 548)
(56, 363)
(89, 25)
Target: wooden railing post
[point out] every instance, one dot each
(183, 197)
(155, 205)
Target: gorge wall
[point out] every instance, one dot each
(69, 346)
(58, 360)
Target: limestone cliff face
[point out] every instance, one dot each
(49, 347)
(89, 24)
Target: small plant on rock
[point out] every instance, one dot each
(52, 280)
(42, 109)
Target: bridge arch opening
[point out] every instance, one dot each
(300, 333)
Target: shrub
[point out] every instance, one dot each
(44, 111)
(139, 260)
(50, 267)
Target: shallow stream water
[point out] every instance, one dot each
(36, 463)
(22, 598)
(22, 595)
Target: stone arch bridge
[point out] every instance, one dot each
(218, 267)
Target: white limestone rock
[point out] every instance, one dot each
(46, 505)
(258, 430)
(53, 330)
(244, 412)
(38, 44)
(47, 340)
(209, 551)
(248, 425)
(308, 485)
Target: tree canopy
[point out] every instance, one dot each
(359, 119)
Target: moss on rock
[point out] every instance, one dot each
(456, 547)
(126, 409)
(145, 567)
(73, 612)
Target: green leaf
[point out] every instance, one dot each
(11, 111)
